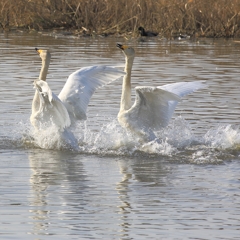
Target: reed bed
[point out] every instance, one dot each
(204, 18)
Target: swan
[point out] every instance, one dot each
(71, 104)
(144, 33)
(154, 106)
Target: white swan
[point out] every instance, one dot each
(50, 111)
(71, 104)
(154, 106)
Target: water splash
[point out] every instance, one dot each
(219, 144)
(223, 137)
(48, 137)
(51, 138)
(177, 141)
(113, 139)
(178, 133)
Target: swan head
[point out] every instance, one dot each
(44, 54)
(128, 51)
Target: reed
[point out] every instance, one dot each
(208, 18)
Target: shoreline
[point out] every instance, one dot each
(126, 35)
(169, 19)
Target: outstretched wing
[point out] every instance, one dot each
(151, 108)
(81, 85)
(183, 88)
(154, 106)
(51, 111)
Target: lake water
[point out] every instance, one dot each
(113, 187)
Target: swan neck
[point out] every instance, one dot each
(128, 65)
(126, 87)
(44, 69)
(35, 103)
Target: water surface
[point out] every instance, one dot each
(114, 187)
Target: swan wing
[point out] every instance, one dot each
(154, 106)
(60, 116)
(81, 85)
(151, 107)
(183, 88)
(51, 111)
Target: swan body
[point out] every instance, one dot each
(71, 104)
(153, 106)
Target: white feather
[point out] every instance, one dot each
(154, 106)
(183, 88)
(51, 110)
(74, 98)
(81, 85)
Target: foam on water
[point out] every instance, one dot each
(224, 137)
(177, 141)
(218, 144)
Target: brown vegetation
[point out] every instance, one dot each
(168, 17)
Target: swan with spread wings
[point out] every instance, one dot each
(72, 102)
(153, 106)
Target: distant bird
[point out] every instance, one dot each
(183, 37)
(154, 106)
(143, 33)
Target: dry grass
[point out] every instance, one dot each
(196, 17)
